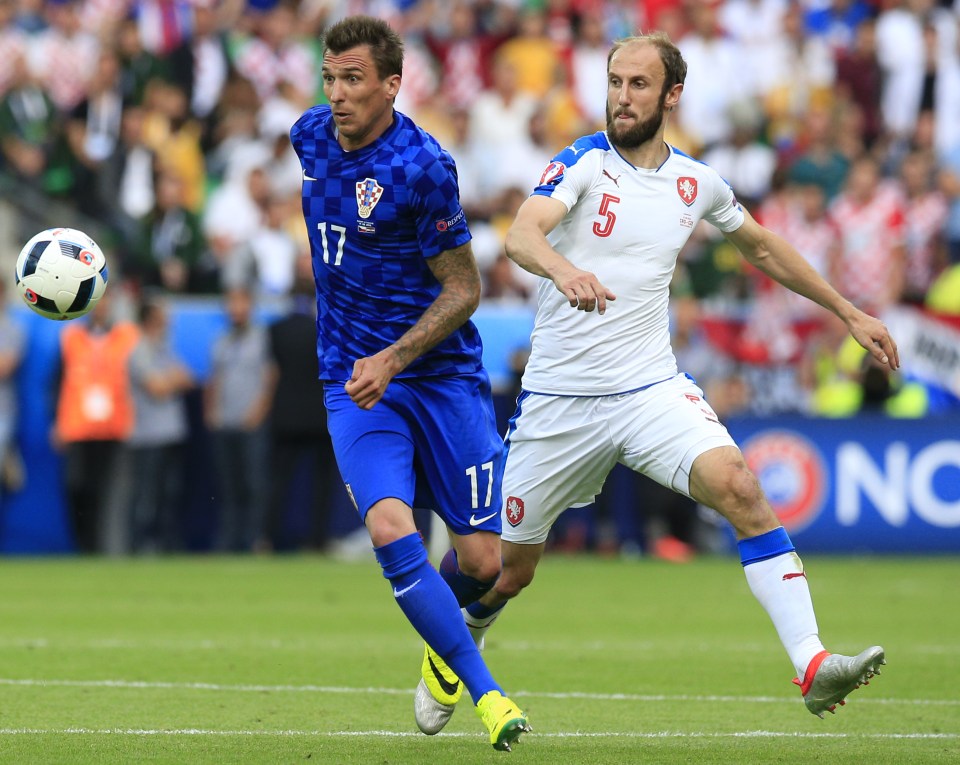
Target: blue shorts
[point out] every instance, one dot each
(430, 442)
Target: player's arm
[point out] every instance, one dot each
(526, 244)
(459, 278)
(780, 261)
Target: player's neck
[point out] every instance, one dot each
(649, 155)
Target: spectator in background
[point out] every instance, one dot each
(125, 181)
(170, 246)
(236, 404)
(64, 55)
(202, 64)
(94, 414)
(471, 161)
(163, 24)
(853, 383)
(284, 175)
(502, 113)
(11, 354)
(236, 209)
(276, 52)
(174, 137)
(816, 236)
(745, 161)
(522, 160)
(924, 217)
(268, 259)
(534, 57)
(158, 380)
(232, 128)
(870, 215)
(837, 21)
(93, 131)
(463, 51)
(31, 135)
(137, 65)
(859, 78)
(948, 180)
(816, 158)
(298, 421)
(13, 42)
(588, 68)
(793, 73)
(719, 76)
(917, 47)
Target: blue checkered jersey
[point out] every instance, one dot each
(374, 216)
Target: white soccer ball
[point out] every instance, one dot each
(61, 273)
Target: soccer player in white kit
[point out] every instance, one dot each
(604, 229)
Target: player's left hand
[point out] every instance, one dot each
(370, 378)
(873, 335)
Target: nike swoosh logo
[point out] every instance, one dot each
(307, 177)
(448, 687)
(399, 593)
(474, 521)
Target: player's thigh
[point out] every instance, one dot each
(663, 429)
(373, 448)
(558, 455)
(458, 449)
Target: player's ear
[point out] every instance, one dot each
(392, 85)
(673, 96)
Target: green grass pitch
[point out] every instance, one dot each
(305, 659)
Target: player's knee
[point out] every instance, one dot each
(743, 500)
(513, 579)
(483, 569)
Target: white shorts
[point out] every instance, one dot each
(560, 449)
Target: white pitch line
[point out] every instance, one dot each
(411, 734)
(332, 689)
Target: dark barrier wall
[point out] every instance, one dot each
(863, 485)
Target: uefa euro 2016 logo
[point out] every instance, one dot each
(792, 475)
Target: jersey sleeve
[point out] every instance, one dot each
(569, 176)
(303, 133)
(725, 211)
(435, 198)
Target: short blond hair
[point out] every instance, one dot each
(673, 63)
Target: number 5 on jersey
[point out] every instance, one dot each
(606, 228)
(341, 233)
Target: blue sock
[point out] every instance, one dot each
(465, 588)
(431, 608)
(479, 611)
(766, 546)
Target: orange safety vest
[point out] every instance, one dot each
(95, 402)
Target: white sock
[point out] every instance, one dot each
(781, 587)
(478, 626)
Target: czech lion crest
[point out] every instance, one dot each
(687, 189)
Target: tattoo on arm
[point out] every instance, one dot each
(459, 278)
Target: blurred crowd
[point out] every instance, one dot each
(837, 122)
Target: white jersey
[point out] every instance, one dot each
(627, 225)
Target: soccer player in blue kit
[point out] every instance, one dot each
(409, 404)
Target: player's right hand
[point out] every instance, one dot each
(584, 291)
(370, 378)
